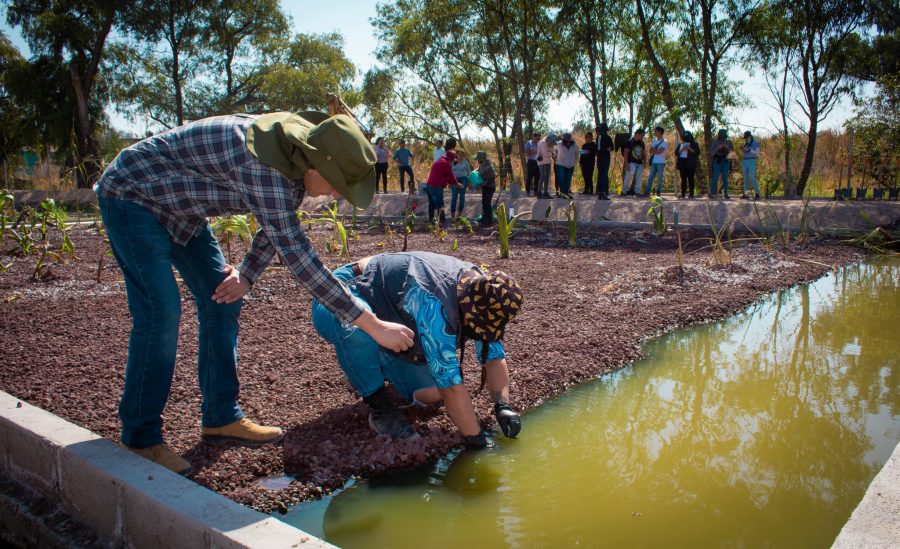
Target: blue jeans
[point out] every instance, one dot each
(654, 170)
(435, 200)
(459, 193)
(564, 178)
(723, 169)
(146, 254)
(748, 168)
(363, 362)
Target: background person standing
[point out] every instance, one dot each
(403, 156)
(633, 160)
(566, 157)
(750, 152)
(686, 163)
(658, 148)
(546, 152)
(586, 160)
(721, 164)
(604, 157)
(461, 171)
(533, 172)
(489, 179)
(382, 154)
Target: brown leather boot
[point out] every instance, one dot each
(243, 431)
(161, 455)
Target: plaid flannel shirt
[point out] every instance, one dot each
(204, 169)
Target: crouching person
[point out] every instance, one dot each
(444, 301)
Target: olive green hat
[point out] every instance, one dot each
(332, 145)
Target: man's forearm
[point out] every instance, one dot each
(460, 409)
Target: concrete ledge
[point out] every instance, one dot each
(129, 501)
(875, 523)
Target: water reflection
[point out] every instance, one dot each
(762, 430)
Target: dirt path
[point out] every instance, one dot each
(63, 345)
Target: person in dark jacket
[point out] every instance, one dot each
(489, 185)
(687, 160)
(604, 158)
(445, 301)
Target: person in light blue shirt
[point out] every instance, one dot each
(445, 301)
(402, 156)
(750, 151)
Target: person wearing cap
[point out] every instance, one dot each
(687, 162)
(546, 154)
(658, 148)
(533, 172)
(567, 153)
(402, 157)
(155, 198)
(440, 176)
(633, 159)
(382, 154)
(604, 157)
(587, 161)
(488, 186)
(720, 152)
(445, 301)
(750, 152)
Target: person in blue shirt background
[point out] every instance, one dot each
(445, 301)
(750, 152)
(402, 156)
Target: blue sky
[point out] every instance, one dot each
(351, 19)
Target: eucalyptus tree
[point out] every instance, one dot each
(73, 34)
(587, 39)
(822, 30)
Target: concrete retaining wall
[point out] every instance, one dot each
(129, 501)
(875, 523)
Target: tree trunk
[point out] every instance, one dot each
(812, 134)
(661, 71)
(87, 168)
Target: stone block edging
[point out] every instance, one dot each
(129, 501)
(875, 523)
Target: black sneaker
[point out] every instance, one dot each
(385, 418)
(744, 196)
(756, 197)
(727, 197)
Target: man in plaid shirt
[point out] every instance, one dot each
(155, 198)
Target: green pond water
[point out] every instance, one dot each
(762, 430)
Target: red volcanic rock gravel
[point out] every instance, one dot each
(63, 344)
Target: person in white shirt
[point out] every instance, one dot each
(546, 153)
(658, 148)
(438, 150)
(567, 153)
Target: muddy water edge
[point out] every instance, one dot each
(763, 429)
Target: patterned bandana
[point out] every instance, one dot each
(486, 303)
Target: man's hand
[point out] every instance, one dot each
(233, 288)
(509, 421)
(389, 335)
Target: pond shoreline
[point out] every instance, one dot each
(587, 312)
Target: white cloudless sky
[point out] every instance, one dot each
(351, 18)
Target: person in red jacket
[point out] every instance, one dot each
(440, 176)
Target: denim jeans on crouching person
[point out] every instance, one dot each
(723, 169)
(146, 254)
(748, 169)
(363, 362)
(460, 194)
(656, 169)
